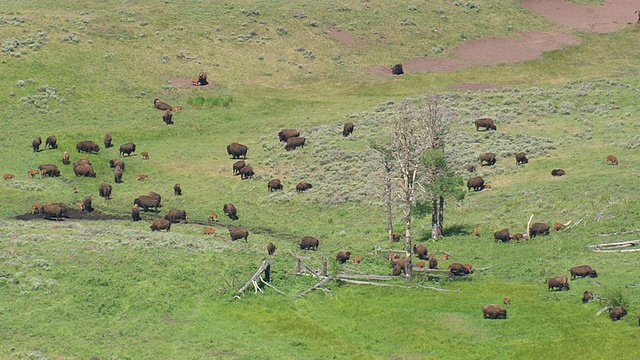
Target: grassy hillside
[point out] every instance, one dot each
(112, 289)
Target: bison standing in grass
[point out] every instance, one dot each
(486, 123)
(274, 184)
(343, 256)
(238, 233)
(347, 129)
(488, 158)
(105, 191)
(49, 169)
(117, 175)
(294, 142)
(421, 251)
(285, 134)
(309, 243)
(127, 148)
(84, 170)
(160, 224)
(87, 204)
(56, 210)
(116, 162)
(502, 235)
(617, 313)
(271, 248)
(494, 312)
(230, 210)
(237, 150)
(51, 142)
(475, 183)
(303, 186)
(107, 141)
(146, 202)
(36, 144)
(521, 158)
(583, 271)
(539, 229)
(237, 166)
(176, 216)
(88, 147)
(135, 213)
(246, 172)
(559, 282)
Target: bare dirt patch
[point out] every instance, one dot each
(186, 83)
(342, 36)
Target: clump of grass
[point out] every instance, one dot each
(71, 38)
(40, 102)
(202, 101)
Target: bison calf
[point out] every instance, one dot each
(612, 160)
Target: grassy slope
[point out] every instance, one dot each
(115, 289)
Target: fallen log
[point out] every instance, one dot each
(366, 277)
(316, 286)
(266, 268)
(621, 250)
(603, 310)
(632, 242)
(357, 282)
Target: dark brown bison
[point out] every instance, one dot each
(160, 224)
(127, 148)
(285, 134)
(558, 172)
(238, 233)
(309, 243)
(486, 123)
(587, 296)
(343, 256)
(117, 175)
(155, 196)
(274, 184)
(521, 158)
(176, 216)
(116, 162)
(539, 229)
(88, 147)
(105, 191)
(612, 160)
(246, 172)
(397, 69)
(471, 168)
(433, 262)
(65, 158)
(347, 129)
(559, 282)
(271, 248)
(494, 312)
(107, 141)
(502, 235)
(177, 190)
(237, 166)
(294, 142)
(457, 269)
(36, 144)
(488, 158)
(82, 161)
(167, 116)
(87, 204)
(56, 210)
(230, 210)
(303, 186)
(202, 79)
(51, 142)
(49, 169)
(421, 251)
(583, 271)
(146, 202)
(135, 213)
(475, 183)
(617, 313)
(84, 170)
(236, 150)
(161, 105)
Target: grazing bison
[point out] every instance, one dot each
(177, 190)
(167, 116)
(36, 144)
(88, 147)
(65, 158)
(285, 134)
(486, 123)
(87, 204)
(105, 191)
(559, 282)
(48, 169)
(236, 150)
(357, 259)
(309, 243)
(230, 210)
(271, 248)
(36, 209)
(583, 271)
(396, 270)
(238, 233)
(141, 177)
(246, 172)
(521, 158)
(7, 176)
(51, 142)
(617, 313)
(117, 175)
(176, 216)
(84, 170)
(612, 160)
(237, 166)
(475, 183)
(397, 69)
(127, 148)
(343, 256)
(303, 186)
(421, 251)
(209, 231)
(161, 105)
(56, 210)
(274, 184)
(81, 162)
(489, 158)
(32, 173)
(146, 202)
(347, 129)
(115, 163)
(558, 172)
(558, 226)
(539, 229)
(135, 213)
(457, 269)
(517, 237)
(502, 235)
(213, 217)
(294, 142)
(433, 262)
(160, 224)
(107, 141)
(494, 312)
(144, 155)
(587, 296)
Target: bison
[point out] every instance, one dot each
(127, 148)
(81, 162)
(246, 172)
(32, 173)
(160, 224)
(209, 231)
(237, 166)
(475, 183)
(213, 217)
(617, 313)
(357, 259)
(48, 169)
(107, 141)
(397, 69)
(294, 142)
(343, 256)
(558, 226)
(506, 301)
(236, 150)
(583, 271)
(177, 190)
(476, 232)
(517, 237)
(176, 216)
(486, 123)
(521, 158)
(36, 209)
(421, 251)
(309, 243)
(489, 158)
(347, 129)
(433, 262)
(202, 79)
(457, 269)
(238, 233)
(7, 176)
(146, 202)
(166, 117)
(271, 248)
(612, 160)
(494, 312)
(141, 177)
(539, 229)
(116, 162)
(88, 147)
(396, 237)
(502, 235)
(161, 105)
(587, 296)
(56, 210)
(559, 282)
(51, 142)
(230, 210)
(105, 191)
(303, 186)
(144, 155)
(274, 184)
(117, 175)
(84, 170)
(558, 172)
(65, 158)
(285, 134)
(36, 144)
(135, 213)
(87, 204)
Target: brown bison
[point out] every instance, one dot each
(36, 209)
(161, 105)
(176, 216)
(7, 176)
(502, 235)
(56, 210)
(32, 173)
(420, 264)
(246, 172)
(517, 237)
(421, 251)
(271, 248)
(343, 256)
(146, 202)
(36, 144)
(144, 155)
(167, 116)
(617, 313)
(213, 217)
(160, 224)
(135, 213)
(475, 183)
(494, 312)
(274, 184)
(396, 237)
(49, 169)
(51, 142)
(559, 282)
(84, 170)
(583, 271)
(237, 166)
(303, 186)
(107, 141)
(521, 158)
(506, 301)
(457, 269)
(141, 177)
(558, 172)
(397, 69)
(309, 243)
(236, 150)
(177, 190)
(86, 204)
(539, 229)
(285, 134)
(347, 129)
(486, 123)
(558, 226)
(612, 160)
(294, 142)
(117, 175)
(105, 191)
(587, 296)
(488, 158)
(116, 162)
(230, 210)
(476, 232)
(238, 233)
(127, 148)
(209, 231)
(433, 262)
(65, 158)
(357, 259)
(88, 147)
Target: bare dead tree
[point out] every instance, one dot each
(386, 179)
